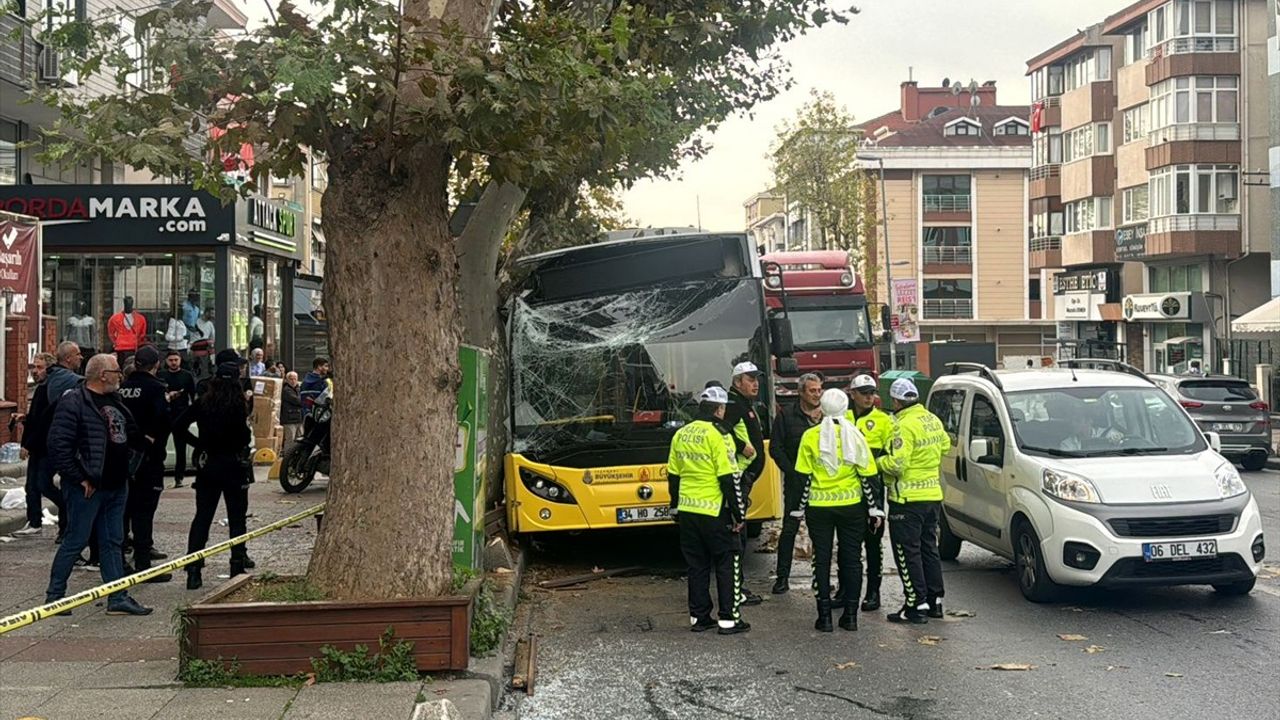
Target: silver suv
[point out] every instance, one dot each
(1228, 406)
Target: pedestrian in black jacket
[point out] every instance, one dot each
(181, 384)
(291, 408)
(91, 445)
(35, 432)
(789, 426)
(146, 396)
(742, 418)
(222, 418)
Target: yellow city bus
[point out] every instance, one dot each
(610, 345)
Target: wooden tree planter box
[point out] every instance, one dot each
(272, 638)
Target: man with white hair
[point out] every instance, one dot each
(91, 443)
(835, 459)
(913, 486)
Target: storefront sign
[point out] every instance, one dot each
(1158, 306)
(121, 215)
(1097, 281)
(1066, 330)
(906, 311)
(20, 272)
(1131, 242)
(1079, 306)
(275, 218)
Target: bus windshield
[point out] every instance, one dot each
(616, 374)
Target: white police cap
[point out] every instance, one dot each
(903, 389)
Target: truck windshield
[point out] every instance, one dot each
(1102, 421)
(830, 328)
(609, 378)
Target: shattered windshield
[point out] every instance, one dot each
(624, 370)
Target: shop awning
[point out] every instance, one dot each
(1260, 322)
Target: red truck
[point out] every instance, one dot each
(830, 325)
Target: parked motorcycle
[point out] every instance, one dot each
(304, 458)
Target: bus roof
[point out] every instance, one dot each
(656, 239)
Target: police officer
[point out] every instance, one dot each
(914, 490)
(834, 457)
(701, 475)
(145, 395)
(877, 428)
(789, 426)
(741, 418)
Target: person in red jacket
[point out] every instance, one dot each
(126, 330)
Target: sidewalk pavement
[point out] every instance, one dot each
(91, 665)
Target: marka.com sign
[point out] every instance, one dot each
(84, 215)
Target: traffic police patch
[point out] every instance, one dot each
(897, 443)
(871, 424)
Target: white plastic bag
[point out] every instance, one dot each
(14, 499)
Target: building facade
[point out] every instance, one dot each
(1145, 198)
(955, 185)
(766, 221)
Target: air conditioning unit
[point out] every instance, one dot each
(49, 68)
(1227, 193)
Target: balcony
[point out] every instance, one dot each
(1094, 176)
(1095, 102)
(1052, 114)
(1193, 56)
(1046, 181)
(1196, 145)
(1096, 247)
(1174, 236)
(947, 258)
(948, 309)
(947, 208)
(1044, 252)
(1195, 132)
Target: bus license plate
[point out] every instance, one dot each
(1155, 552)
(643, 514)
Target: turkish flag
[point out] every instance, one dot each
(1037, 116)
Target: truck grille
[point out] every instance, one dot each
(1173, 526)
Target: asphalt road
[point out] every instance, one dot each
(620, 647)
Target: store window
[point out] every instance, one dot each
(255, 305)
(8, 153)
(85, 290)
(1175, 278)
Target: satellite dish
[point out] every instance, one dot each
(973, 86)
(973, 101)
(946, 82)
(955, 89)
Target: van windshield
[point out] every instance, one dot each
(1101, 421)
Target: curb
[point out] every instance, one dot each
(493, 668)
(10, 523)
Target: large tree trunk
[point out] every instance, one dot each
(390, 284)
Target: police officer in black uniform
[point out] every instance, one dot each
(145, 395)
(742, 420)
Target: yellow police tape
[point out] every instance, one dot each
(27, 617)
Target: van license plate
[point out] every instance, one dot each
(1156, 552)
(643, 514)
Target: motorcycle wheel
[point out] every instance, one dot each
(294, 477)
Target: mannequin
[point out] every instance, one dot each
(81, 328)
(176, 335)
(126, 330)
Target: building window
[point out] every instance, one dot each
(948, 299)
(1046, 147)
(1137, 123)
(1199, 99)
(320, 173)
(1086, 141)
(1134, 202)
(963, 126)
(1184, 26)
(1195, 190)
(946, 193)
(1088, 67)
(1175, 278)
(1033, 289)
(1013, 126)
(1088, 215)
(1135, 45)
(8, 153)
(947, 245)
(1048, 224)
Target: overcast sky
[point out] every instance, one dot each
(863, 64)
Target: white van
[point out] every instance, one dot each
(1090, 477)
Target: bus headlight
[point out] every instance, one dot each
(546, 488)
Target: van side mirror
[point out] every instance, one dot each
(886, 324)
(1215, 441)
(780, 335)
(983, 452)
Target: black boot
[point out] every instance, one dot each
(194, 582)
(145, 564)
(823, 623)
(935, 608)
(237, 566)
(781, 585)
(849, 619)
(872, 601)
(249, 564)
(908, 614)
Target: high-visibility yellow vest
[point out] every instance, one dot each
(826, 489)
(700, 454)
(914, 457)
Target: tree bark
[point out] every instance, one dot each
(479, 248)
(390, 284)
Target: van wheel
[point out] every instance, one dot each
(1236, 588)
(1033, 579)
(1254, 462)
(948, 543)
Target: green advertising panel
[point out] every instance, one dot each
(469, 458)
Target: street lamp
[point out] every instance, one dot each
(884, 221)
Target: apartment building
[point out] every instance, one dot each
(766, 220)
(1273, 73)
(1148, 195)
(955, 184)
